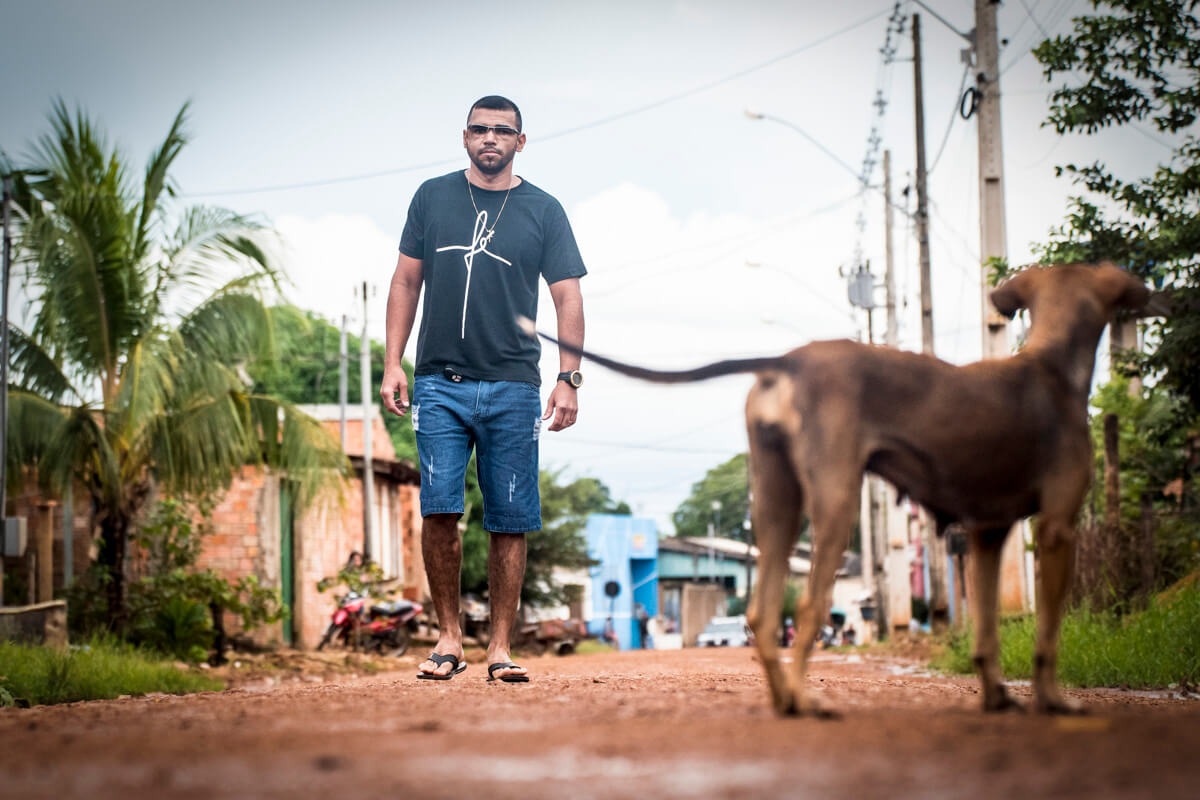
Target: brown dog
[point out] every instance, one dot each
(983, 445)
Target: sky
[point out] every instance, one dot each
(707, 234)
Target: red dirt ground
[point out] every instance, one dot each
(656, 724)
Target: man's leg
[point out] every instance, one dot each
(441, 547)
(506, 574)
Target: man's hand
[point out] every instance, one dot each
(563, 406)
(394, 391)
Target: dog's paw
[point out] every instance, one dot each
(998, 700)
(805, 706)
(1059, 706)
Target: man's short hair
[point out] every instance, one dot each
(494, 102)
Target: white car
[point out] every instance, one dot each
(725, 632)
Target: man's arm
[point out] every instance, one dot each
(403, 295)
(563, 404)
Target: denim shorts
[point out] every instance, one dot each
(501, 420)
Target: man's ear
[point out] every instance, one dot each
(1013, 295)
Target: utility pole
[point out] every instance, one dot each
(935, 549)
(992, 235)
(922, 217)
(991, 172)
(343, 380)
(892, 337)
(887, 550)
(4, 383)
(367, 419)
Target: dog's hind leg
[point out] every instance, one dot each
(776, 515)
(986, 548)
(1056, 556)
(835, 497)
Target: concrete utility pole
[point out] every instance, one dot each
(367, 419)
(343, 380)
(922, 217)
(935, 548)
(4, 383)
(993, 238)
(992, 235)
(892, 337)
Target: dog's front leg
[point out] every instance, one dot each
(1056, 556)
(777, 511)
(986, 547)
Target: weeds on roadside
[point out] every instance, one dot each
(102, 669)
(1156, 647)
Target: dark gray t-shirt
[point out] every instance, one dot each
(477, 284)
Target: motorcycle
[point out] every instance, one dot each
(386, 627)
(475, 619)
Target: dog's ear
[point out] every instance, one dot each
(1013, 295)
(1124, 289)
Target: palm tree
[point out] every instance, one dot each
(130, 375)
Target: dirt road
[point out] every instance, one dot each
(660, 724)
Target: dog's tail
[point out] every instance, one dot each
(715, 370)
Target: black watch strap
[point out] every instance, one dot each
(573, 378)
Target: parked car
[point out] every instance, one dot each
(725, 632)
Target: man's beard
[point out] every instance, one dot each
(491, 169)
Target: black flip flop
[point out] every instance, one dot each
(506, 678)
(456, 667)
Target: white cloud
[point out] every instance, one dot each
(327, 259)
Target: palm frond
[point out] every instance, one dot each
(199, 447)
(210, 248)
(149, 381)
(33, 425)
(228, 328)
(298, 445)
(90, 296)
(33, 369)
(157, 178)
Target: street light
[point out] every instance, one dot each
(752, 114)
(794, 277)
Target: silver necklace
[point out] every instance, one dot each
(487, 237)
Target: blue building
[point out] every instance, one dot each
(627, 549)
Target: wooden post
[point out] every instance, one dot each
(1149, 556)
(1112, 474)
(45, 553)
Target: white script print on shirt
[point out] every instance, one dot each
(479, 242)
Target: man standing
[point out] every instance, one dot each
(479, 240)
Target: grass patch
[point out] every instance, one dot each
(592, 646)
(1154, 648)
(96, 671)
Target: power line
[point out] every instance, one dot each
(564, 132)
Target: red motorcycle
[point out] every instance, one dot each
(386, 628)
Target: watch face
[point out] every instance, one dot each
(576, 378)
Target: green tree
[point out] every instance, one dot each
(130, 375)
(725, 484)
(305, 370)
(560, 542)
(1137, 61)
(179, 609)
(1155, 455)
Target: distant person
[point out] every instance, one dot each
(643, 623)
(610, 634)
(477, 242)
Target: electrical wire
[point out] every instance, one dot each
(556, 134)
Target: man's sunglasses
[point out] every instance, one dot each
(499, 130)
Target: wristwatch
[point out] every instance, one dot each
(574, 378)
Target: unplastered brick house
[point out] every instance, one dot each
(258, 530)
